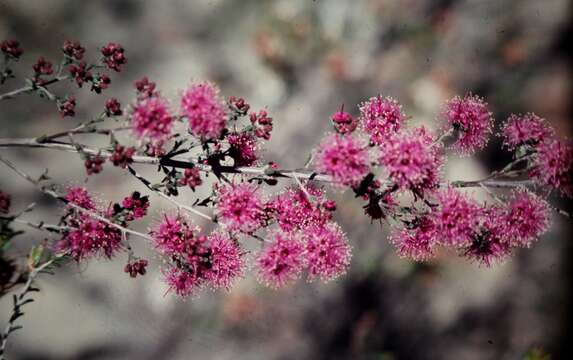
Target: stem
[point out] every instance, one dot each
(57, 196)
(26, 89)
(19, 302)
(168, 198)
(185, 162)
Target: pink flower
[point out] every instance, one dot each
(81, 197)
(473, 121)
(89, 237)
(528, 129)
(294, 211)
(114, 56)
(243, 149)
(413, 160)
(204, 110)
(113, 107)
(137, 267)
(73, 49)
(192, 178)
(174, 234)
(417, 241)
(181, 281)
(489, 243)
(281, 262)
(455, 217)
(381, 117)
(122, 156)
(151, 118)
(528, 217)
(344, 158)
(226, 262)
(11, 48)
(552, 166)
(327, 252)
(136, 205)
(94, 164)
(343, 122)
(240, 207)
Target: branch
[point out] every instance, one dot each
(185, 162)
(26, 89)
(19, 301)
(57, 196)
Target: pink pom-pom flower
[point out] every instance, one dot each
(490, 241)
(345, 158)
(152, 118)
(528, 217)
(281, 262)
(327, 252)
(470, 117)
(226, 260)
(293, 209)
(552, 166)
(174, 234)
(413, 160)
(240, 207)
(417, 241)
(455, 217)
(204, 110)
(528, 129)
(381, 118)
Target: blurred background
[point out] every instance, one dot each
(303, 59)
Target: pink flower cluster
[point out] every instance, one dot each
(472, 120)
(151, 117)
(322, 250)
(204, 110)
(528, 129)
(413, 160)
(344, 157)
(381, 117)
(87, 236)
(196, 261)
(240, 207)
(550, 160)
(485, 233)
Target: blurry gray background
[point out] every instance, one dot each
(302, 59)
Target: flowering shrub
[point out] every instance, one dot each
(395, 169)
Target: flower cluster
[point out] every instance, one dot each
(137, 267)
(122, 156)
(196, 261)
(11, 48)
(380, 117)
(192, 178)
(482, 232)
(152, 118)
(345, 158)
(413, 160)
(240, 207)
(114, 56)
(204, 110)
(394, 168)
(528, 129)
(94, 164)
(471, 119)
(87, 235)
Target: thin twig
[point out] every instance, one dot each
(168, 198)
(57, 196)
(26, 89)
